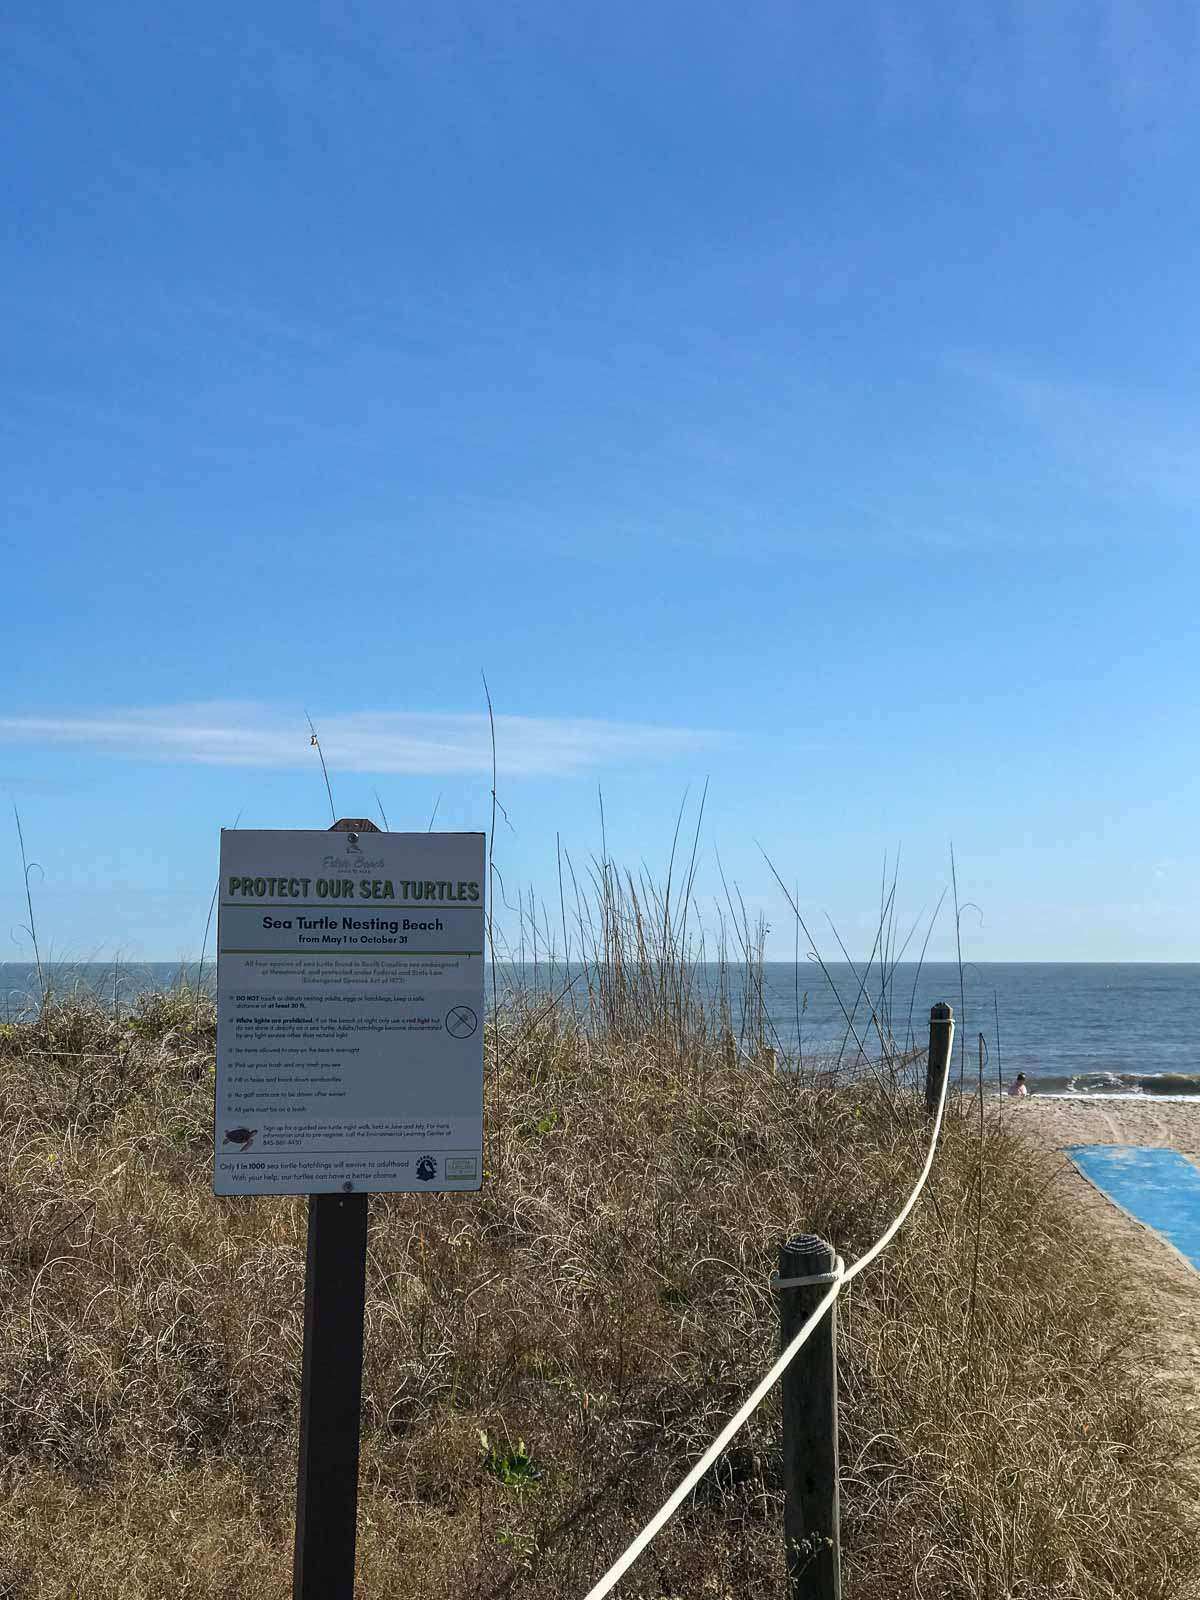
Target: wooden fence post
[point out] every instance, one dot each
(941, 1042)
(810, 1442)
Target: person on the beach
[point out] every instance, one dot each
(1018, 1089)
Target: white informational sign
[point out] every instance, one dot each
(349, 1012)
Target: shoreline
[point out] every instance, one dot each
(1086, 1097)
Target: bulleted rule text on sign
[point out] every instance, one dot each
(349, 1012)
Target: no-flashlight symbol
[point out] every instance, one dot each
(461, 1022)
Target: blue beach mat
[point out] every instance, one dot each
(1159, 1188)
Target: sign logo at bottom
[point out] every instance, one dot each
(427, 1169)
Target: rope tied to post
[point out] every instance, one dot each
(836, 1279)
(778, 1283)
(757, 1395)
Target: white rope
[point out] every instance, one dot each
(881, 1244)
(754, 1399)
(837, 1278)
(778, 1283)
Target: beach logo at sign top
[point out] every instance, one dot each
(352, 860)
(427, 1169)
(353, 845)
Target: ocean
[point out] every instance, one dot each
(1071, 1027)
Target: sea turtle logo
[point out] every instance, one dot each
(427, 1169)
(240, 1136)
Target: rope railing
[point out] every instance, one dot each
(838, 1278)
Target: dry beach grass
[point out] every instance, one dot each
(595, 1313)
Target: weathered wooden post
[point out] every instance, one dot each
(810, 1441)
(941, 1042)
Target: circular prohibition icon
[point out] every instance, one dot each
(461, 1022)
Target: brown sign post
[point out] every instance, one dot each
(335, 1289)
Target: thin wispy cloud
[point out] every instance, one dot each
(240, 734)
(1127, 62)
(1126, 437)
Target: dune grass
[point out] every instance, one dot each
(544, 1358)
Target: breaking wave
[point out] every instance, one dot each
(1116, 1083)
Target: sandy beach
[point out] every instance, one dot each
(1172, 1284)
(1095, 1120)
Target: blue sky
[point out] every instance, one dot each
(797, 399)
